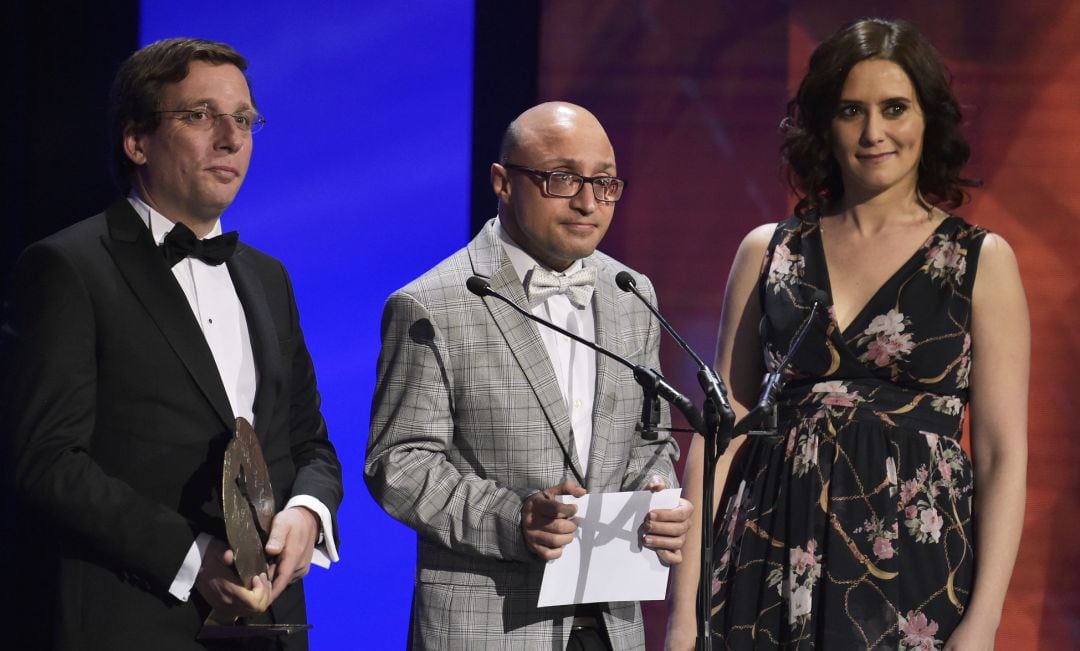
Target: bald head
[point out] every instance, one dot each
(553, 138)
(547, 121)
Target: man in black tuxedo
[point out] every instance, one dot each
(143, 333)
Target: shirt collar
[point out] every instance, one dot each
(522, 261)
(159, 224)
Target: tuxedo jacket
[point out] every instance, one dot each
(120, 422)
(468, 421)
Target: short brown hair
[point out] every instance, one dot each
(813, 172)
(137, 89)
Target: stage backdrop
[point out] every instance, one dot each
(359, 182)
(692, 93)
(361, 179)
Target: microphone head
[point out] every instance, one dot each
(478, 285)
(821, 298)
(625, 281)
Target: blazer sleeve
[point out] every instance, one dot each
(656, 457)
(52, 408)
(408, 470)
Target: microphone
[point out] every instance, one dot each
(718, 412)
(652, 383)
(773, 383)
(719, 422)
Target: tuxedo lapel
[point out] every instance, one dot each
(152, 282)
(264, 336)
(490, 261)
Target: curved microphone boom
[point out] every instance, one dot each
(651, 381)
(773, 383)
(719, 424)
(710, 382)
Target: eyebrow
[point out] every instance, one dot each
(210, 103)
(889, 100)
(607, 166)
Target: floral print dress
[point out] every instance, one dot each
(850, 528)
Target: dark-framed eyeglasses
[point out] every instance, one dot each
(204, 119)
(560, 183)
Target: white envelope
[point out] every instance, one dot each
(605, 561)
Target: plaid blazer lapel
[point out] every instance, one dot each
(523, 339)
(605, 312)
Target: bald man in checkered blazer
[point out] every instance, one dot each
(473, 431)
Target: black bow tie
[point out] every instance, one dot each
(181, 243)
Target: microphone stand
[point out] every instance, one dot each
(764, 412)
(718, 431)
(720, 428)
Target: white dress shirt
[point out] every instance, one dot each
(575, 364)
(212, 296)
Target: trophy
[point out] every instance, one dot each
(248, 504)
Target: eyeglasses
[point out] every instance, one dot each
(204, 119)
(559, 183)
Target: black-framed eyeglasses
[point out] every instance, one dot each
(560, 183)
(205, 119)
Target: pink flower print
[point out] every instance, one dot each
(800, 604)
(931, 523)
(832, 386)
(950, 405)
(931, 439)
(911, 512)
(945, 469)
(836, 393)
(810, 455)
(908, 490)
(963, 372)
(804, 561)
(888, 324)
(885, 348)
(918, 631)
(890, 471)
(784, 263)
(781, 261)
(799, 560)
(839, 400)
(967, 343)
(944, 255)
(716, 584)
(784, 267)
(946, 258)
(883, 549)
(790, 442)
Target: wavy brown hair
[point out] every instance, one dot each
(812, 170)
(139, 85)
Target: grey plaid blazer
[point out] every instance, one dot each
(468, 421)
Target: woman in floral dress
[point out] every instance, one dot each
(861, 523)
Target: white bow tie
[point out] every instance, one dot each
(577, 286)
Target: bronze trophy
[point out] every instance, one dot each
(248, 504)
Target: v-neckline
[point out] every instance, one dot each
(860, 314)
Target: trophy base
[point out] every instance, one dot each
(239, 631)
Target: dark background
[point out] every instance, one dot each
(691, 94)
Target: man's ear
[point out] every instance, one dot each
(500, 182)
(133, 146)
